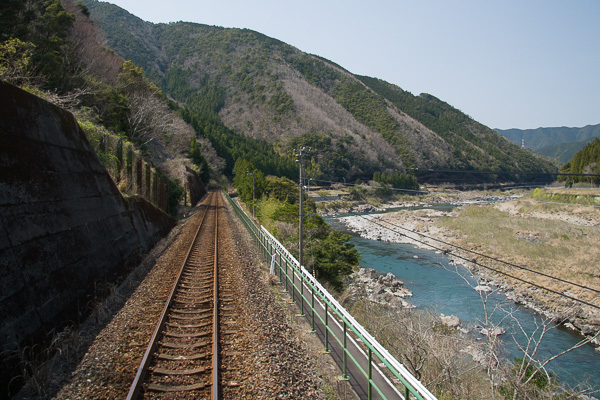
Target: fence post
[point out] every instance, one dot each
(129, 163)
(147, 183)
(279, 265)
(286, 276)
(138, 177)
(293, 285)
(260, 245)
(345, 360)
(120, 157)
(280, 272)
(370, 386)
(312, 306)
(301, 293)
(326, 328)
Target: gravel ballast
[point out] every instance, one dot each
(279, 360)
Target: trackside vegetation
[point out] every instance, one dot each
(327, 252)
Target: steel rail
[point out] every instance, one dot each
(215, 369)
(136, 385)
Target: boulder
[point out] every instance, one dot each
(589, 330)
(497, 331)
(379, 289)
(451, 321)
(483, 288)
(368, 273)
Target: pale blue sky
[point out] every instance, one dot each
(508, 64)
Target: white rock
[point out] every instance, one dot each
(483, 288)
(497, 331)
(451, 321)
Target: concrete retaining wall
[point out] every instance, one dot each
(63, 224)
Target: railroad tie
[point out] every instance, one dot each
(185, 345)
(187, 335)
(164, 371)
(180, 388)
(170, 357)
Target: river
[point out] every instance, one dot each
(436, 284)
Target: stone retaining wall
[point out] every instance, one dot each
(64, 225)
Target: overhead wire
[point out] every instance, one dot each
(500, 172)
(495, 259)
(438, 192)
(354, 184)
(488, 267)
(478, 254)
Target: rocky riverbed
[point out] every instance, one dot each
(418, 227)
(333, 208)
(382, 289)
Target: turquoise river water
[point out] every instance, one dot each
(436, 285)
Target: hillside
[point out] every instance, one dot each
(586, 161)
(52, 49)
(557, 142)
(563, 152)
(241, 84)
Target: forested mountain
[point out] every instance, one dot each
(51, 48)
(586, 161)
(559, 142)
(563, 152)
(257, 97)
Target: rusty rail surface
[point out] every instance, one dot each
(183, 353)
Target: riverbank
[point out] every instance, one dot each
(528, 228)
(337, 207)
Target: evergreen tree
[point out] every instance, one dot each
(586, 161)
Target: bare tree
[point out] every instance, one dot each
(148, 117)
(434, 353)
(532, 368)
(528, 376)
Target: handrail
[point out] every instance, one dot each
(410, 383)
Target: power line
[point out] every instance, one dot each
(493, 258)
(490, 268)
(391, 188)
(479, 254)
(442, 192)
(500, 172)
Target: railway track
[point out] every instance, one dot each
(186, 354)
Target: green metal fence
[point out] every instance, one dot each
(302, 285)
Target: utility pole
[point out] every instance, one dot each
(253, 188)
(299, 159)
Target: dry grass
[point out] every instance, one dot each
(546, 238)
(433, 353)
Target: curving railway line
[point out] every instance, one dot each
(187, 355)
